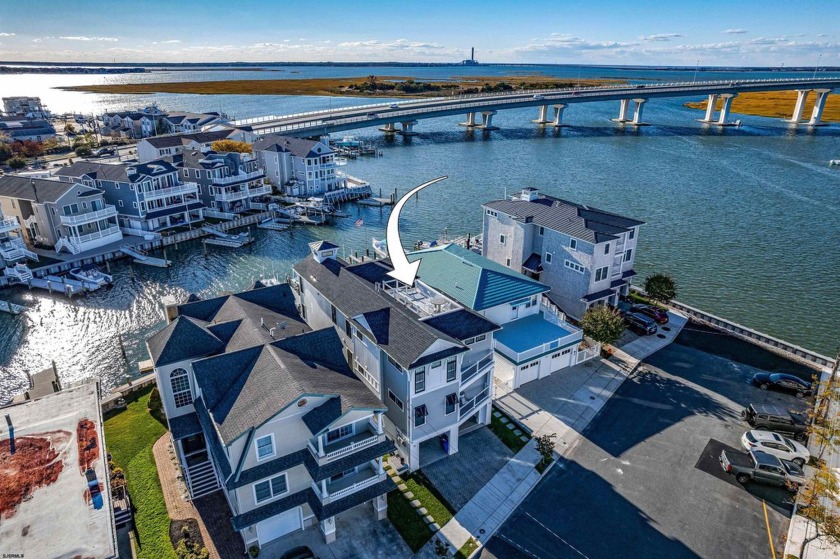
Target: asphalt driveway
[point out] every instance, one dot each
(643, 481)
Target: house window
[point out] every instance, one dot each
(607, 248)
(420, 413)
(548, 258)
(420, 381)
(632, 234)
(120, 203)
(265, 447)
(451, 400)
(573, 244)
(492, 213)
(180, 383)
(348, 329)
(437, 364)
(628, 254)
(340, 433)
(542, 231)
(601, 273)
(393, 398)
(574, 266)
(450, 370)
(507, 262)
(333, 314)
(502, 239)
(270, 488)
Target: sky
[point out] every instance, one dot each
(639, 32)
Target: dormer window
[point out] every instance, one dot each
(265, 447)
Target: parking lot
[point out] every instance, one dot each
(644, 480)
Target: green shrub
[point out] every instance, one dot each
(17, 163)
(661, 287)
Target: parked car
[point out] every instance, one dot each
(640, 324)
(394, 106)
(657, 314)
(103, 151)
(538, 97)
(761, 467)
(777, 445)
(372, 115)
(300, 552)
(783, 382)
(770, 417)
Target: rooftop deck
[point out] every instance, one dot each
(534, 335)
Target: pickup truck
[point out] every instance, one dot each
(761, 467)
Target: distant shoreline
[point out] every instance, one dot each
(774, 104)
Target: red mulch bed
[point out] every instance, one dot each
(88, 443)
(34, 464)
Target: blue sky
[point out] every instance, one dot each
(735, 32)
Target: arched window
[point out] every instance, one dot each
(181, 392)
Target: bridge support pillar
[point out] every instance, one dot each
(543, 118)
(724, 109)
(389, 128)
(710, 108)
(622, 111)
(819, 105)
(801, 97)
(470, 123)
(487, 120)
(637, 114)
(407, 128)
(558, 115)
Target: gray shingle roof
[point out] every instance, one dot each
(37, 190)
(581, 222)
(184, 139)
(462, 324)
(183, 338)
(298, 147)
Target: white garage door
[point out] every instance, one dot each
(279, 525)
(561, 359)
(529, 372)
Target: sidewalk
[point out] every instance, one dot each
(563, 403)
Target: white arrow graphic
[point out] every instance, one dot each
(404, 270)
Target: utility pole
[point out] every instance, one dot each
(696, 69)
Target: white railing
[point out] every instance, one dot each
(97, 235)
(79, 219)
(470, 404)
(216, 214)
(352, 447)
(150, 235)
(9, 224)
(476, 367)
(225, 196)
(259, 190)
(356, 486)
(185, 188)
(239, 177)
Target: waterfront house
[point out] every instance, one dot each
(149, 197)
(535, 340)
(150, 149)
(229, 183)
(187, 123)
(299, 167)
(22, 128)
(267, 410)
(69, 217)
(150, 121)
(12, 245)
(585, 255)
(27, 107)
(427, 358)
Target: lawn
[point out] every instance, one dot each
(129, 436)
(405, 519)
(506, 435)
(467, 549)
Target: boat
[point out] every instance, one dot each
(90, 274)
(380, 247)
(834, 162)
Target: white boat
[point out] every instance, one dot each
(91, 275)
(380, 247)
(834, 162)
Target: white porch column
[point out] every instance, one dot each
(323, 488)
(801, 97)
(408, 128)
(637, 114)
(453, 440)
(328, 529)
(487, 120)
(380, 505)
(320, 445)
(819, 105)
(379, 420)
(710, 108)
(470, 123)
(543, 117)
(389, 128)
(622, 111)
(724, 109)
(558, 115)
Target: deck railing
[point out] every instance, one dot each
(470, 404)
(475, 368)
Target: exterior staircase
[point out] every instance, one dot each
(201, 479)
(19, 272)
(65, 242)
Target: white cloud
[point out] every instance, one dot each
(7, 34)
(737, 31)
(769, 40)
(660, 37)
(37, 40)
(167, 42)
(83, 38)
(356, 44)
(822, 35)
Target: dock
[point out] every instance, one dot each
(220, 238)
(55, 284)
(11, 308)
(275, 224)
(376, 202)
(141, 257)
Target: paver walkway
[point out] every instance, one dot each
(211, 511)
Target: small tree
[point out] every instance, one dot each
(83, 150)
(819, 505)
(661, 287)
(70, 128)
(545, 446)
(231, 146)
(17, 163)
(5, 151)
(603, 324)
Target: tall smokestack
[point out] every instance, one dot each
(472, 54)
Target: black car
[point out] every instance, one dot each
(301, 552)
(783, 382)
(640, 324)
(771, 417)
(657, 314)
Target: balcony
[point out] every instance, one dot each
(259, 191)
(477, 367)
(469, 404)
(339, 449)
(239, 177)
(368, 474)
(181, 189)
(231, 196)
(9, 224)
(89, 217)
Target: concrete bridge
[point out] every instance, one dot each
(406, 114)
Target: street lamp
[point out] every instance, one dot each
(696, 69)
(817, 66)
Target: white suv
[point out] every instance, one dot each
(777, 445)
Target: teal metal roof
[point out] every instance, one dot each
(471, 279)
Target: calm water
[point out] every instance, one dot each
(745, 219)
